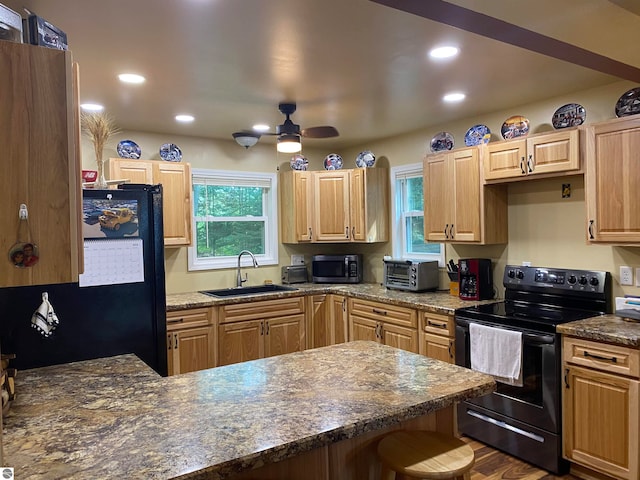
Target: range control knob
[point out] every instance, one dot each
(572, 279)
(594, 281)
(583, 280)
(511, 274)
(520, 274)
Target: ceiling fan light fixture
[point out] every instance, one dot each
(289, 143)
(246, 139)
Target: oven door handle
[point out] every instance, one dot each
(527, 338)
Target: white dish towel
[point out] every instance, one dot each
(497, 352)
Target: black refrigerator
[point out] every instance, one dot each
(119, 304)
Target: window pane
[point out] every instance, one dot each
(227, 201)
(414, 194)
(415, 237)
(215, 239)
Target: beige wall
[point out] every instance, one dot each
(544, 228)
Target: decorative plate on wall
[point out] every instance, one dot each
(477, 135)
(365, 159)
(442, 141)
(170, 152)
(569, 115)
(628, 103)
(299, 162)
(333, 161)
(128, 149)
(515, 126)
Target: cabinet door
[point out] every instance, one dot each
(505, 159)
(331, 208)
(192, 350)
(136, 171)
(318, 332)
(240, 341)
(553, 152)
(467, 204)
(612, 181)
(338, 319)
(357, 213)
(176, 205)
(361, 328)
(283, 335)
(296, 201)
(600, 425)
(439, 347)
(438, 197)
(400, 337)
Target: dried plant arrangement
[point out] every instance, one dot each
(98, 127)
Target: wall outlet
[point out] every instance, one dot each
(297, 259)
(626, 275)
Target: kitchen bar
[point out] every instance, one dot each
(116, 418)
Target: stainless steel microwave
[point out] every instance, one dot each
(336, 268)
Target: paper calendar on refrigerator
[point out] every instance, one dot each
(113, 261)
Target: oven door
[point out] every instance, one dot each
(537, 402)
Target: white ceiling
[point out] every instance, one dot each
(354, 64)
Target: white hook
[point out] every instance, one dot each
(23, 213)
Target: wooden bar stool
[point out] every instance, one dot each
(407, 454)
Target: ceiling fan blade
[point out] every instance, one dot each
(320, 132)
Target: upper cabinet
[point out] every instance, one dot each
(40, 132)
(457, 207)
(547, 154)
(612, 181)
(335, 206)
(175, 179)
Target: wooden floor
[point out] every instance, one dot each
(492, 464)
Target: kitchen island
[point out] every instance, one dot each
(317, 411)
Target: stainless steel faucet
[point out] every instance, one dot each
(240, 280)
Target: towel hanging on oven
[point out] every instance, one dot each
(497, 352)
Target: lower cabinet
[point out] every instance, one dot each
(252, 330)
(601, 407)
(190, 340)
(437, 336)
(327, 320)
(387, 324)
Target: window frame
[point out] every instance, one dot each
(229, 177)
(398, 232)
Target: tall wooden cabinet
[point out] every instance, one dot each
(457, 207)
(177, 209)
(41, 162)
(601, 408)
(612, 181)
(296, 206)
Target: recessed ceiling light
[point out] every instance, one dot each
(260, 127)
(185, 118)
(454, 97)
(131, 78)
(92, 107)
(444, 52)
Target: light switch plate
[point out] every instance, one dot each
(297, 259)
(626, 275)
(637, 277)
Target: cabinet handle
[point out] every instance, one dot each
(261, 328)
(310, 234)
(450, 352)
(177, 320)
(378, 331)
(451, 232)
(344, 304)
(431, 323)
(522, 166)
(169, 341)
(566, 378)
(346, 231)
(353, 232)
(379, 312)
(600, 357)
(176, 337)
(445, 231)
(530, 163)
(591, 237)
(267, 332)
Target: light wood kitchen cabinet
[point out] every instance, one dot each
(327, 321)
(177, 209)
(258, 329)
(41, 163)
(387, 324)
(336, 206)
(190, 340)
(612, 181)
(437, 336)
(601, 407)
(556, 153)
(457, 207)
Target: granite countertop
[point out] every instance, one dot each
(605, 328)
(437, 302)
(116, 418)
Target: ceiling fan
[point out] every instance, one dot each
(289, 133)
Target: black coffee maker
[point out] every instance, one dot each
(476, 278)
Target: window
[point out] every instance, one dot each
(408, 201)
(233, 211)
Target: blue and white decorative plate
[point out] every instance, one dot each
(170, 152)
(365, 159)
(477, 135)
(442, 141)
(299, 162)
(515, 126)
(128, 149)
(569, 115)
(333, 161)
(628, 103)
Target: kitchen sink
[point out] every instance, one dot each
(242, 291)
